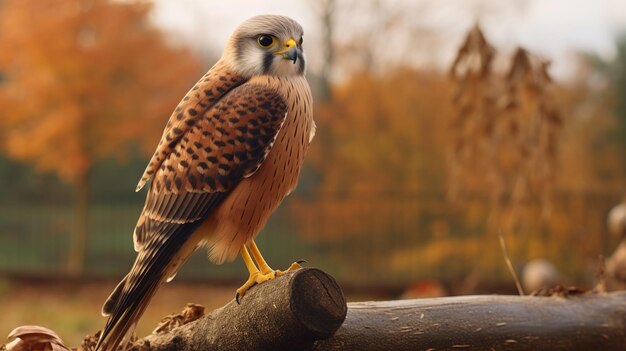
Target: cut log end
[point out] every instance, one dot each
(318, 302)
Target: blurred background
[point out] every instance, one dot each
(441, 126)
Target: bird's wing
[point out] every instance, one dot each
(217, 82)
(228, 142)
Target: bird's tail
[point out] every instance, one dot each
(131, 296)
(111, 301)
(125, 306)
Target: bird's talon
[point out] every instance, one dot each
(301, 261)
(238, 298)
(254, 279)
(294, 267)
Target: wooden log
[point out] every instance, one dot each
(304, 310)
(290, 312)
(512, 323)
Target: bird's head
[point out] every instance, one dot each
(267, 45)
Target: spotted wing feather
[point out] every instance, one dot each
(203, 95)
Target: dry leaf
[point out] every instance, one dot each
(35, 338)
(191, 312)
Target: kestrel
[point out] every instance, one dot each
(230, 153)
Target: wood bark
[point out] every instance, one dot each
(585, 322)
(290, 312)
(304, 310)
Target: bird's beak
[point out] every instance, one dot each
(289, 51)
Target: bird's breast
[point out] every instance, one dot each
(278, 174)
(248, 207)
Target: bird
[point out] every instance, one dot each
(230, 152)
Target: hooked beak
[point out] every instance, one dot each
(289, 51)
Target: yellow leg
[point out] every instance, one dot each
(256, 276)
(264, 267)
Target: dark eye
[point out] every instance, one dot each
(300, 42)
(265, 40)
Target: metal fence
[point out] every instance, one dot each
(392, 240)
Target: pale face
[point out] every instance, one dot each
(269, 45)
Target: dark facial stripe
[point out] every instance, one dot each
(267, 62)
(300, 63)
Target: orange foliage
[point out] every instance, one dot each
(590, 161)
(380, 130)
(84, 79)
(378, 136)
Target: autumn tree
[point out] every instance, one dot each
(594, 155)
(82, 80)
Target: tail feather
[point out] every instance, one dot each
(117, 329)
(130, 298)
(124, 307)
(111, 301)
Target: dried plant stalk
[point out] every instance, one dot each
(505, 130)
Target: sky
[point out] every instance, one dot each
(554, 29)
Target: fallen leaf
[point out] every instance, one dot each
(35, 338)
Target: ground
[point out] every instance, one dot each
(73, 309)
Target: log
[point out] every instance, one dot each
(512, 323)
(304, 310)
(290, 312)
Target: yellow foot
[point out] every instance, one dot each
(294, 266)
(255, 278)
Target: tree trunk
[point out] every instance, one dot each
(328, 26)
(304, 310)
(78, 245)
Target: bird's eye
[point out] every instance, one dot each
(265, 40)
(300, 42)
